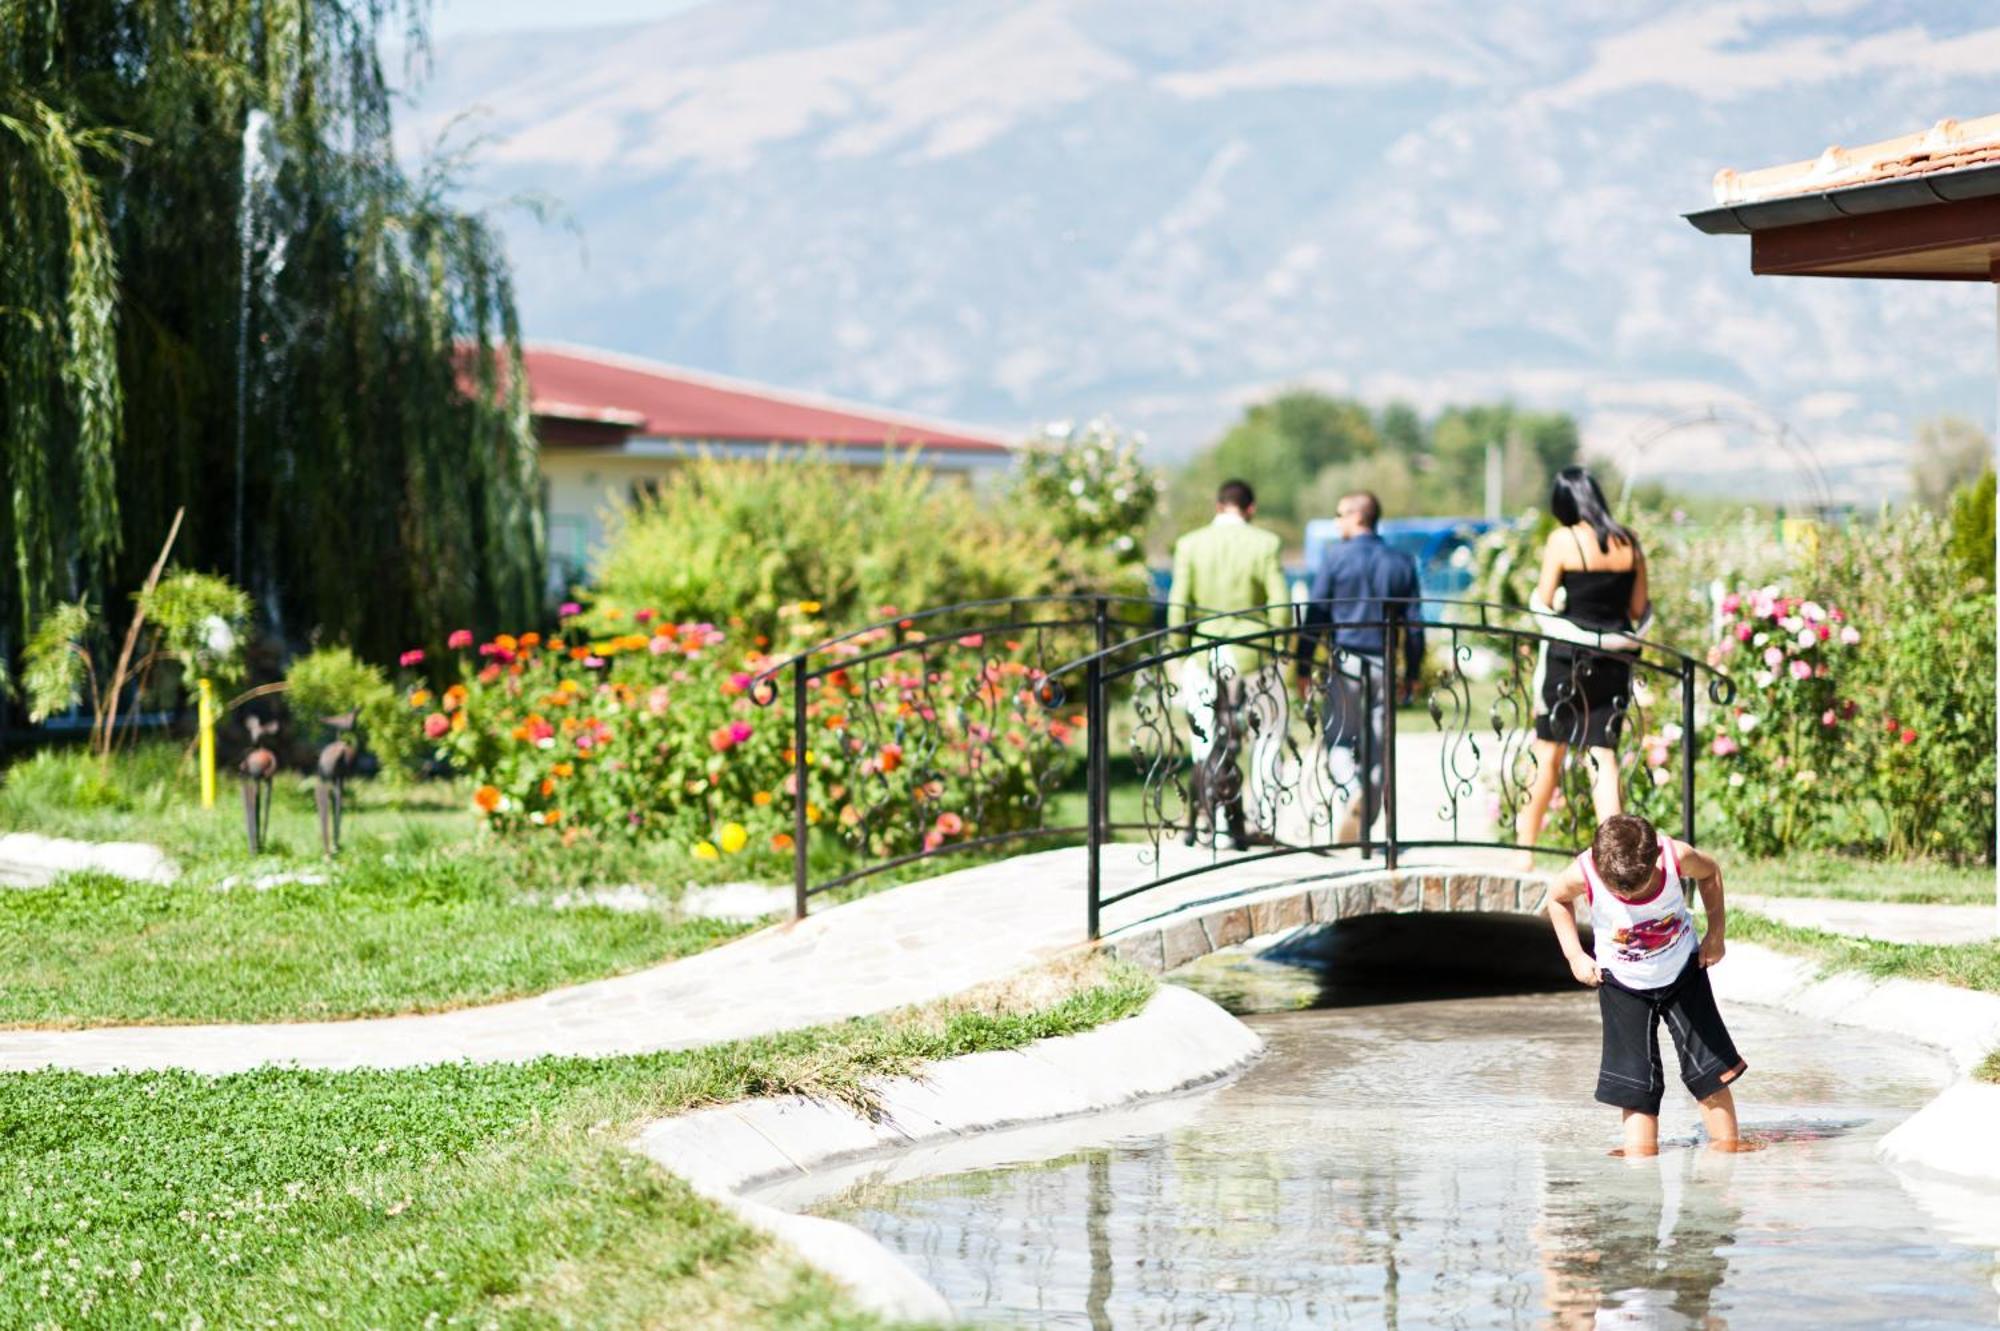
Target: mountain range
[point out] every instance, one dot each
(1008, 211)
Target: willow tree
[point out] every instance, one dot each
(220, 290)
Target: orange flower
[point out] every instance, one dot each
(548, 787)
(552, 816)
(454, 697)
(507, 642)
(761, 798)
(486, 798)
(531, 639)
(420, 698)
(782, 841)
(563, 769)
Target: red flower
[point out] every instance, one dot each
(1908, 736)
(435, 725)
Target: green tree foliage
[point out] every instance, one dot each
(380, 494)
(1972, 528)
(332, 681)
(1302, 450)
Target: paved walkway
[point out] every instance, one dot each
(1890, 921)
(908, 945)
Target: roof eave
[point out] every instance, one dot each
(1882, 196)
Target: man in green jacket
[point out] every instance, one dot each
(1222, 571)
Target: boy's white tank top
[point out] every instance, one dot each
(1641, 944)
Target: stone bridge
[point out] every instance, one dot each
(1287, 913)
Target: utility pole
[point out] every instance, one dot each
(1495, 479)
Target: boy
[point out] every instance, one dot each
(1648, 966)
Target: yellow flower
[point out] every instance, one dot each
(705, 850)
(812, 813)
(808, 607)
(734, 838)
(421, 698)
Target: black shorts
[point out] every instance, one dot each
(1630, 1076)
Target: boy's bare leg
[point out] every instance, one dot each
(1642, 1133)
(1718, 1118)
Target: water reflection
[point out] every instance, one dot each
(1441, 1165)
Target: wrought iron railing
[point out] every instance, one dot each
(1248, 745)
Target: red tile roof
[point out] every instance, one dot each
(655, 401)
(1949, 145)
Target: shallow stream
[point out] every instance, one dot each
(1441, 1164)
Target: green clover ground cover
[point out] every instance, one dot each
(383, 935)
(478, 1196)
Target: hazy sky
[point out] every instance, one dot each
(452, 18)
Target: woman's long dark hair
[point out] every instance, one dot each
(1576, 497)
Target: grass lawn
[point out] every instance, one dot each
(488, 1196)
(383, 935)
(420, 912)
(1821, 874)
(1967, 965)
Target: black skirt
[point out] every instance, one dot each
(1585, 695)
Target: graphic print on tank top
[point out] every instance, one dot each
(1642, 943)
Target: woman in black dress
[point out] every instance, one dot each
(1591, 597)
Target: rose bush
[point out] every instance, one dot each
(657, 732)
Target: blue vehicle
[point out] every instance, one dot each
(1435, 543)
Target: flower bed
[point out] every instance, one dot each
(657, 732)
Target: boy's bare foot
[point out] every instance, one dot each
(1633, 1152)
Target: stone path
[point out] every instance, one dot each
(922, 941)
(1890, 921)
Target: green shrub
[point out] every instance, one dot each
(332, 681)
(730, 542)
(1972, 528)
(141, 778)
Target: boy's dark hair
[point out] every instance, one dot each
(1236, 494)
(1625, 850)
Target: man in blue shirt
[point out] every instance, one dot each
(1363, 585)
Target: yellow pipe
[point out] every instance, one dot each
(206, 721)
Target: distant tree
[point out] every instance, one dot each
(1972, 527)
(1949, 451)
(1278, 446)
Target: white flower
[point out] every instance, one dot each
(1808, 638)
(1076, 486)
(1120, 495)
(1850, 635)
(1661, 777)
(1746, 723)
(1813, 612)
(1807, 777)
(1671, 733)
(1763, 679)
(1760, 640)
(1736, 778)
(1791, 623)
(217, 636)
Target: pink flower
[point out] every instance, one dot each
(644, 616)
(950, 824)
(1723, 746)
(1850, 635)
(659, 646)
(569, 610)
(1773, 657)
(435, 725)
(1825, 631)
(1829, 718)
(1731, 603)
(973, 640)
(459, 640)
(413, 657)
(593, 662)
(933, 839)
(656, 701)
(1744, 632)
(740, 731)
(1801, 670)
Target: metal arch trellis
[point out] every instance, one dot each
(1795, 447)
(1295, 773)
